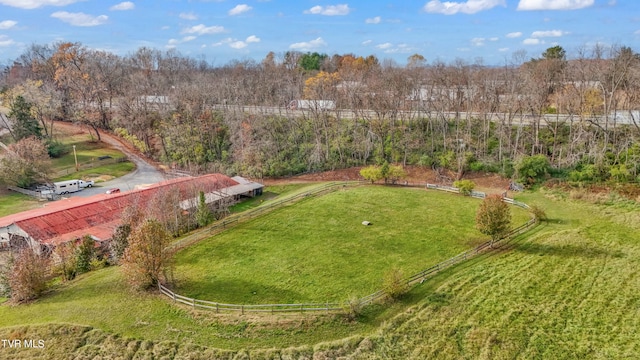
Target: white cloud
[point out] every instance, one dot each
(477, 41)
(390, 48)
(7, 24)
(367, 42)
(513, 35)
(188, 16)
(253, 39)
(532, 41)
(80, 19)
(467, 7)
(239, 9)
(308, 45)
(330, 10)
(201, 29)
(547, 33)
(34, 4)
(374, 20)
(554, 4)
(238, 44)
(495, 38)
(127, 5)
(6, 41)
(503, 49)
(173, 42)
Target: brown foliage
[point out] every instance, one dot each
(28, 275)
(25, 163)
(147, 259)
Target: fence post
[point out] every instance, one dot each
(242, 307)
(217, 309)
(193, 302)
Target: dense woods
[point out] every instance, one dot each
(579, 114)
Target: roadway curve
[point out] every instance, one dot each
(146, 171)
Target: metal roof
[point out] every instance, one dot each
(99, 215)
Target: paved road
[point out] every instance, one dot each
(144, 174)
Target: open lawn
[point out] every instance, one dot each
(88, 151)
(566, 290)
(12, 202)
(319, 251)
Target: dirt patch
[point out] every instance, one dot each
(415, 175)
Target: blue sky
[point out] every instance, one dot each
(223, 30)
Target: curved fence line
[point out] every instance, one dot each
(419, 277)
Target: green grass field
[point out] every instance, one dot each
(319, 251)
(12, 202)
(566, 290)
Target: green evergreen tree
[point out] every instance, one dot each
(24, 124)
(203, 214)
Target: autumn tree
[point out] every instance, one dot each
(25, 163)
(120, 241)
(147, 260)
(65, 260)
(28, 275)
(493, 217)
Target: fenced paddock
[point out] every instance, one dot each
(411, 280)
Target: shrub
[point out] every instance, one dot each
(394, 285)
(532, 169)
(353, 308)
(538, 213)
(465, 186)
(56, 149)
(84, 254)
(371, 173)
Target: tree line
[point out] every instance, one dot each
(459, 116)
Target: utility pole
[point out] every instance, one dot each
(75, 157)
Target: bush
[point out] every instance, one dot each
(532, 169)
(84, 254)
(56, 149)
(538, 213)
(465, 186)
(394, 285)
(353, 308)
(371, 173)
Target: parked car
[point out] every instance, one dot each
(113, 191)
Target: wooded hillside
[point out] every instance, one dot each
(577, 117)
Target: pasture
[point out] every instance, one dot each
(567, 289)
(319, 251)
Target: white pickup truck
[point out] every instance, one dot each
(86, 184)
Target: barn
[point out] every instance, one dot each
(99, 215)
